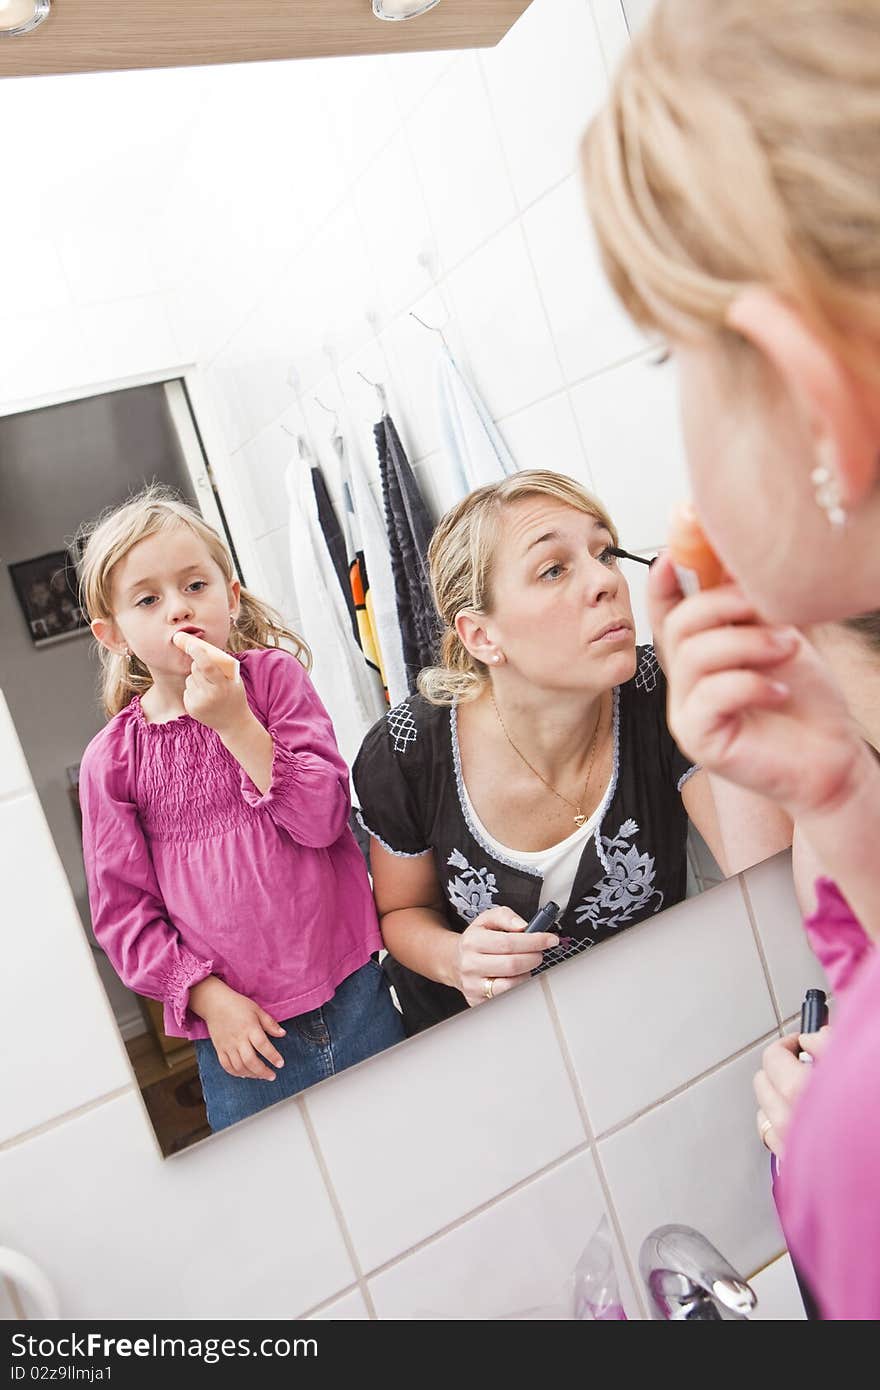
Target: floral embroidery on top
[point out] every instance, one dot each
(627, 888)
(473, 890)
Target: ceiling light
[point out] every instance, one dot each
(21, 16)
(402, 9)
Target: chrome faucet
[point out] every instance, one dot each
(686, 1277)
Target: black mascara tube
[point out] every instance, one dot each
(544, 919)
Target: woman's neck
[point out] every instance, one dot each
(554, 730)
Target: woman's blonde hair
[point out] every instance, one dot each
(106, 541)
(461, 558)
(741, 145)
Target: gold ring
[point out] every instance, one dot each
(764, 1126)
(489, 988)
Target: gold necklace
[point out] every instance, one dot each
(579, 818)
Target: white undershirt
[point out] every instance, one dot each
(558, 864)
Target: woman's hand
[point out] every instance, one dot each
(781, 1081)
(238, 1029)
(752, 703)
(493, 949)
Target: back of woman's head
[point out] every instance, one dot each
(741, 145)
(155, 510)
(461, 557)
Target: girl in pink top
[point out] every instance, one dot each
(223, 877)
(734, 181)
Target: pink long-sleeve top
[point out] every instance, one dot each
(828, 1190)
(192, 871)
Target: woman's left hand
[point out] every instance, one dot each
(209, 695)
(752, 703)
(780, 1083)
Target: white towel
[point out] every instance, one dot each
(347, 688)
(475, 452)
(368, 527)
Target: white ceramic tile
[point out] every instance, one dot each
(48, 968)
(460, 162)
(503, 325)
(545, 435)
(613, 33)
(779, 1298)
(364, 112)
(126, 337)
(517, 1255)
(39, 354)
(447, 1121)
(792, 965)
(697, 1161)
(589, 326)
(238, 1227)
(350, 1308)
(629, 423)
(104, 258)
(412, 352)
(412, 75)
(259, 469)
(633, 1040)
(14, 772)
(274, 552)
(546, 79)
(34, 282)
(396, 226)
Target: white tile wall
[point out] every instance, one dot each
(712, 1002)
(697, 1161)
(282, 221)
(454, 1103)
(793, 967)
(477, 1270)
(242, 1226)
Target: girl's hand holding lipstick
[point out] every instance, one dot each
(214, 693)
(750, 702)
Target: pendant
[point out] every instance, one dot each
(579, 820)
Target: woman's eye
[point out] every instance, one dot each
(552, 573)
(607, 557)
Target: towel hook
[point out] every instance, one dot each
(334, 413)
(380, 392)
(431, 327)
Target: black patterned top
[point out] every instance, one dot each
(408, 781)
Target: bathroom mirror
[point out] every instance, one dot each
(239, 274)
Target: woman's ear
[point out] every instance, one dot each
(833, 404)
(109, 636)
(473, 636)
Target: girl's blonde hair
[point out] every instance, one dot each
(741, 145)
(461, 558)
(106, 541)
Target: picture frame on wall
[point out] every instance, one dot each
(46, 591)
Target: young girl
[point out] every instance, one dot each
(223, 877)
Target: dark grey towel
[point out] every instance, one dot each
(335, 542)
(409, 531)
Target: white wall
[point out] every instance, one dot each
(283, 211)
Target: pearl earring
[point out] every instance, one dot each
(826, 486)
(497, 657)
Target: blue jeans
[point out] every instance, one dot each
(357, 1022)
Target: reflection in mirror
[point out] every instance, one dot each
(399, 540)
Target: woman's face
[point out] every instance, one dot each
(560, 608)
(750, 458)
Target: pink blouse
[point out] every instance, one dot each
(193, 872)
(828, 1188)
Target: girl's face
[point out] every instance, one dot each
(750, 458)
(561, 610)
(165, 583)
